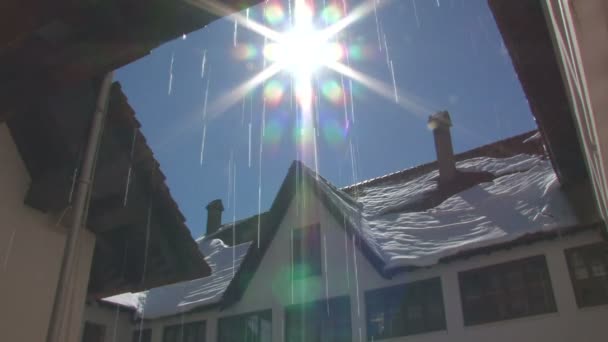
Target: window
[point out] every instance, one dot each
(93, 332)
(188, 332)
(320, 321)
(588, 267)
(513, 289)
(251, 327)
(142, 335)
(306, 249)
(405, 309)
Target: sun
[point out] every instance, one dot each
(303, 49)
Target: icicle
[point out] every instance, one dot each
(394, 82)
(326, 271)
(131, 157)
(9, 247)
(204, 61)
(203, 142)
(171, 73)
(416, 13)
(250, 145)
(234, 37)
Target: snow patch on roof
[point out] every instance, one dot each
(524, 198)
(181, 297)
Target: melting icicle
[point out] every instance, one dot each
(9, 247)
(250, 145)
(203, 143)
(236, 28)
(131, 157)
(394, 82)
(171, 73)
(416, 13)
(203, 62)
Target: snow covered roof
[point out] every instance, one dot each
(182, 297)
(400, 221)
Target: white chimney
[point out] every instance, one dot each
(440, 124)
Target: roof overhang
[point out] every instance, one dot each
(45, 44)
(526, 35)
(142, 240)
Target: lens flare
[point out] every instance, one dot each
(273, 92)
(333, 92)
(303, 134)
(331, 14)
(356, 52)
(273, 132)
(245, 52)
(274, 14)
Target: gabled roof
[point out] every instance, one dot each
(506, 194)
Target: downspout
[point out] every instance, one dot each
(80, 208)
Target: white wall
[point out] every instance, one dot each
(270, 288)
(31, 247)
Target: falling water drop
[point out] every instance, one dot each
(356, 268)
(234, 36)
(250, 145)
(377, 26)
(73, 186)
(247, 14)
(416, 13)
(326, 270)
(234, 220)
(346, 253)
(394, 82)
(345, 101)
(171, 73)
(131, 157)
(314, 140)
(203, 62)
(203, 143)
(438, 4)
(9, 247)
(388, 59)
(206, 98)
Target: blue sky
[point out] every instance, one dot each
(446, 54)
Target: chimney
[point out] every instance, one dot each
(214, 216)
(440, 124)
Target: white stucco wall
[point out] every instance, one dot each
(270, 288)
(31, 247)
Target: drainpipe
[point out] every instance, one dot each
(80, 208)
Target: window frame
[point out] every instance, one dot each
(146, 335)
(492, 285)
(306, 250)
(318, 310)
(588, 253)
(182, 327)
(380, 300)
(258, 314)
(98, 327)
